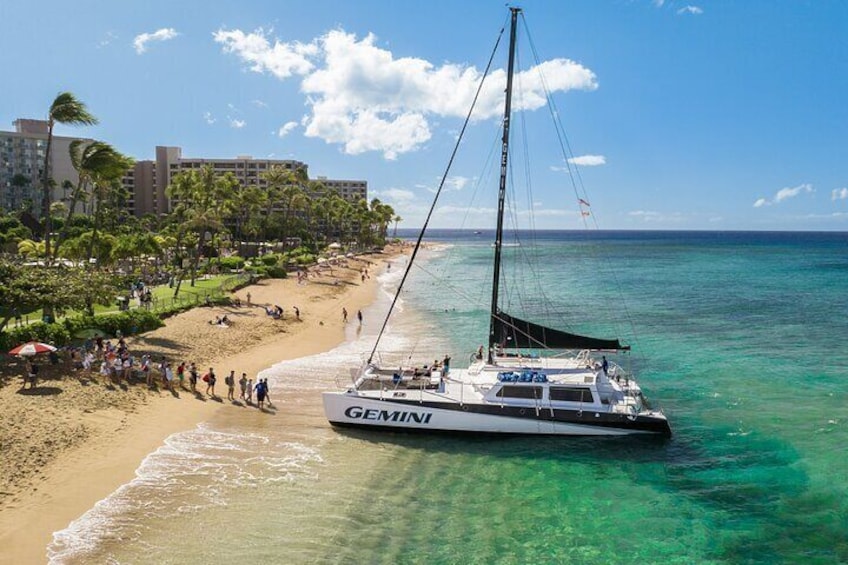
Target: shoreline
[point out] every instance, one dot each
(118, 439)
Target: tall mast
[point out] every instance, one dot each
(496, 275)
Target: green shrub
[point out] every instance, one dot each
(62, 333)
(305, 259)
(257, 270)
(269, 259)
(277, 272)
(231, 263)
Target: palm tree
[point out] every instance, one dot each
(18, 182)
(204, 199)
(284, 187)
(397, 219)
(65, 109)
(106, 180)
(90, 160)
(248, 202)
(30, 248)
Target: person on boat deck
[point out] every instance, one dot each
(604, 364)
(446, 365)
(480, 352)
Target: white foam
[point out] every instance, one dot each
(192, 471)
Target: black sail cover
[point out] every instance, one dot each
(512, 333)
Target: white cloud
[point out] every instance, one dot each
(450, 209)
(555, 212)
(259, 103)
(286, 128)
(398, 195)
(207, 116)
(652, 217)
(164, 34)
(839, 194)
(658, 3)
(236, 123)
(784, 194)
(107, 39)
(364, 98)
(694, 10)
(588, 160)
(281, 59)
(457, 182)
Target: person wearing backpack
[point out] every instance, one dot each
(209, 379)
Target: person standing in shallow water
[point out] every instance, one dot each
(267, 391)
(260, 393)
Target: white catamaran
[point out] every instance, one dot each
(532, 380)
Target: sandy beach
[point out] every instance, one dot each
(76, 438)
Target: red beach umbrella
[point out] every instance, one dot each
(31, 348)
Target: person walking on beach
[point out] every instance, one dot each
(169, 377)
(192, 377)
(248, 299)
(230, 381)
(181, 374)
(145, 368)
(296, 312)
(209, 379)
(243, 386)
(249, 391)
(344, 315)
(359, 316)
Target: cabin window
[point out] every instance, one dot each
(531, 392)
(571, 394)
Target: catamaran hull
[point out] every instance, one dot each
(353, 410)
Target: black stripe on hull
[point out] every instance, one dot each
(643, 424)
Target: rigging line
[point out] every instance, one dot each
(561, 134)
(436, 198)
(482, 179)
(477, 301)
(562, 137)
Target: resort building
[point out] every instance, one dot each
(351, 190)
(21, 163)
(22, 159)
(147, 181)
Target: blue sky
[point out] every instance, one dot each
(687, 114)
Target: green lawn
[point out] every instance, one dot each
(162, 295)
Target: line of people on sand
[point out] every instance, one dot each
(246, 387)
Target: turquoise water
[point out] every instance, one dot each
(738, 336)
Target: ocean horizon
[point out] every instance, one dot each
(736, 335)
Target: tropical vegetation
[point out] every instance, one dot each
(84, 250)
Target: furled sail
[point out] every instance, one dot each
(511, 333)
